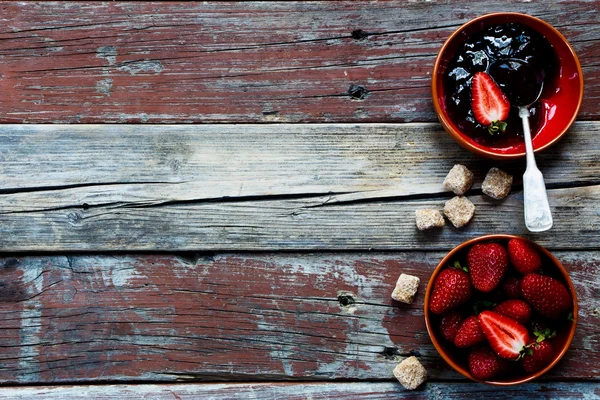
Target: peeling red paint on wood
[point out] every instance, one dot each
(135, 62)
(235, 317)
(251, 317)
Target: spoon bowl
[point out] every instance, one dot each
(506, 71)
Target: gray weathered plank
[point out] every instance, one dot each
(262, 317)
(300, 391)
(278, 61)
(105, 187)
(181, 162)
(305, 223)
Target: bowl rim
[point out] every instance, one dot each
(457, 136)
(463, 371)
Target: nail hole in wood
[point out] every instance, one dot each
(359, 34)
(346, 300)
(358, 92)
(390, 353)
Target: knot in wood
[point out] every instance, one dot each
(74, 218)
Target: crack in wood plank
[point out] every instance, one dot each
(258, 187)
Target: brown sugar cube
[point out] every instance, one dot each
(497, 183)
(410, 373)
(427, 219)
(459, 180)
(459, 211)
(406, 288)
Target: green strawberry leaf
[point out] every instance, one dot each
(540, 338)
(460, 267)
(497, 127)
(543, 335)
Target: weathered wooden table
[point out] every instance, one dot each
(214, 200)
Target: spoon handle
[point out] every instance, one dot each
(538, 217)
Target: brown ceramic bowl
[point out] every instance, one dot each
(453, 356)
(561, 105)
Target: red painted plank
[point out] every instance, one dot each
(234, 317)
(247, 61)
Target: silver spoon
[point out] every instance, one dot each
(538, 217)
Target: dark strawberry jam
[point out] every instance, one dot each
(484, 50)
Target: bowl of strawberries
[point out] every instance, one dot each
(488, 66)
(500, 309)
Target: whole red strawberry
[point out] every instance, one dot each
(523, 256)
(451, 289)
(449, 325)
(518, 310)
(487, 263)
(537, 356)
(484, 364)
(469, 334)
(506, 336)
(511, 287)
(546, 295)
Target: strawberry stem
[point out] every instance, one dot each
(496, 127)
(525, 351)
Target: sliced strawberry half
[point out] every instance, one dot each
(506, 336)
(490, 105)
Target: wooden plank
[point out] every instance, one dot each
(114, 187)
(298, 224)
(236, 317)
(300, 391)
(153, 164)
(246, 61)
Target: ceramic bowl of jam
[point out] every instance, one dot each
(481, 45)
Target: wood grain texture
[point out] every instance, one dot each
(114, 187)
(326, 318)
(168, 62)
(241, 317)
(200, 162)
(301, 391)
(304, 224)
